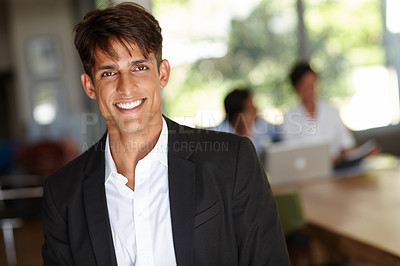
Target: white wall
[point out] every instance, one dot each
(30, 19)
(145, 3)
(5, 61)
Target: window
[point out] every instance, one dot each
(215, 46)
(346, 39)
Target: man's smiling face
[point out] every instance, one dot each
(127, 89)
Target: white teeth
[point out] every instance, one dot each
(129, 105)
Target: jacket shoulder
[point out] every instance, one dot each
(206, 145)
(69, 178)
(200, 134)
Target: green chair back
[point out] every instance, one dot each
(290, 212)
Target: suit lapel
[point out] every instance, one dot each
(181, 176)
(95, 205)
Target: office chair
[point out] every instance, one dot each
(293, 222)
(20, 200)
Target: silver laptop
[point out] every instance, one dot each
(289, 162)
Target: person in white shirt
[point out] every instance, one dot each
(313, 119)
(242, 119)
(152, 192)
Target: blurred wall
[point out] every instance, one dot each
(145, 3)
(5, 60)
(23, 25)
(29, 21)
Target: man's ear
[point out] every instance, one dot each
(88, 85)
(164, 71)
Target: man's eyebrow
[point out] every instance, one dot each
(139, 61)
(104, 67)
(115, 66)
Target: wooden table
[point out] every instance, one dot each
(359, 215)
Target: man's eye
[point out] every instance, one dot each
(107, 74)
(141, 68)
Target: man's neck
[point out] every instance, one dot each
(311, 108)
(127, 149)
(241, 126)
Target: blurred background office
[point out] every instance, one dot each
(241, 118)
(355, 45)
(213, 46)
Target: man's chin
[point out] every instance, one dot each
(132, 128)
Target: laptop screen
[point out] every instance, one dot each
(287, 162)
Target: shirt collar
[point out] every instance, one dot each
(159, 152)
(161, 148)
(303, 109)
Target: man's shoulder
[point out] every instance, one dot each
(73, 166)
(203, 142)
(69, 175)
(74, 171)
(328, 108)
(201, 134)
(208, 134)
(224, 126)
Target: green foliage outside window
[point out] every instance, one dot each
(343, 35)
(262, 48)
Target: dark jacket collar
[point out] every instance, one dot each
(181, 175)
(95, 205)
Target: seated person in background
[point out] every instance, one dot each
(313, 118)
(242, 119)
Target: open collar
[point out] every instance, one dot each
(95, 205)
(181, 180)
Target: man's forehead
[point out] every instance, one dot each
(114, 55)
(113, 48)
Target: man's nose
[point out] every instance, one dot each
(125, 85)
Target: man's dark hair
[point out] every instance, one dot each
(128, 23)
(298, 71)
(234, 102)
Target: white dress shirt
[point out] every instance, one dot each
(140, 220)
(327, 125)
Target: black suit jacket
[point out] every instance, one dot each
(222, 208)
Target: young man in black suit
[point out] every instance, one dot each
(152, 192)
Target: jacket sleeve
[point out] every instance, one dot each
(257, 226)
(56, 250)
